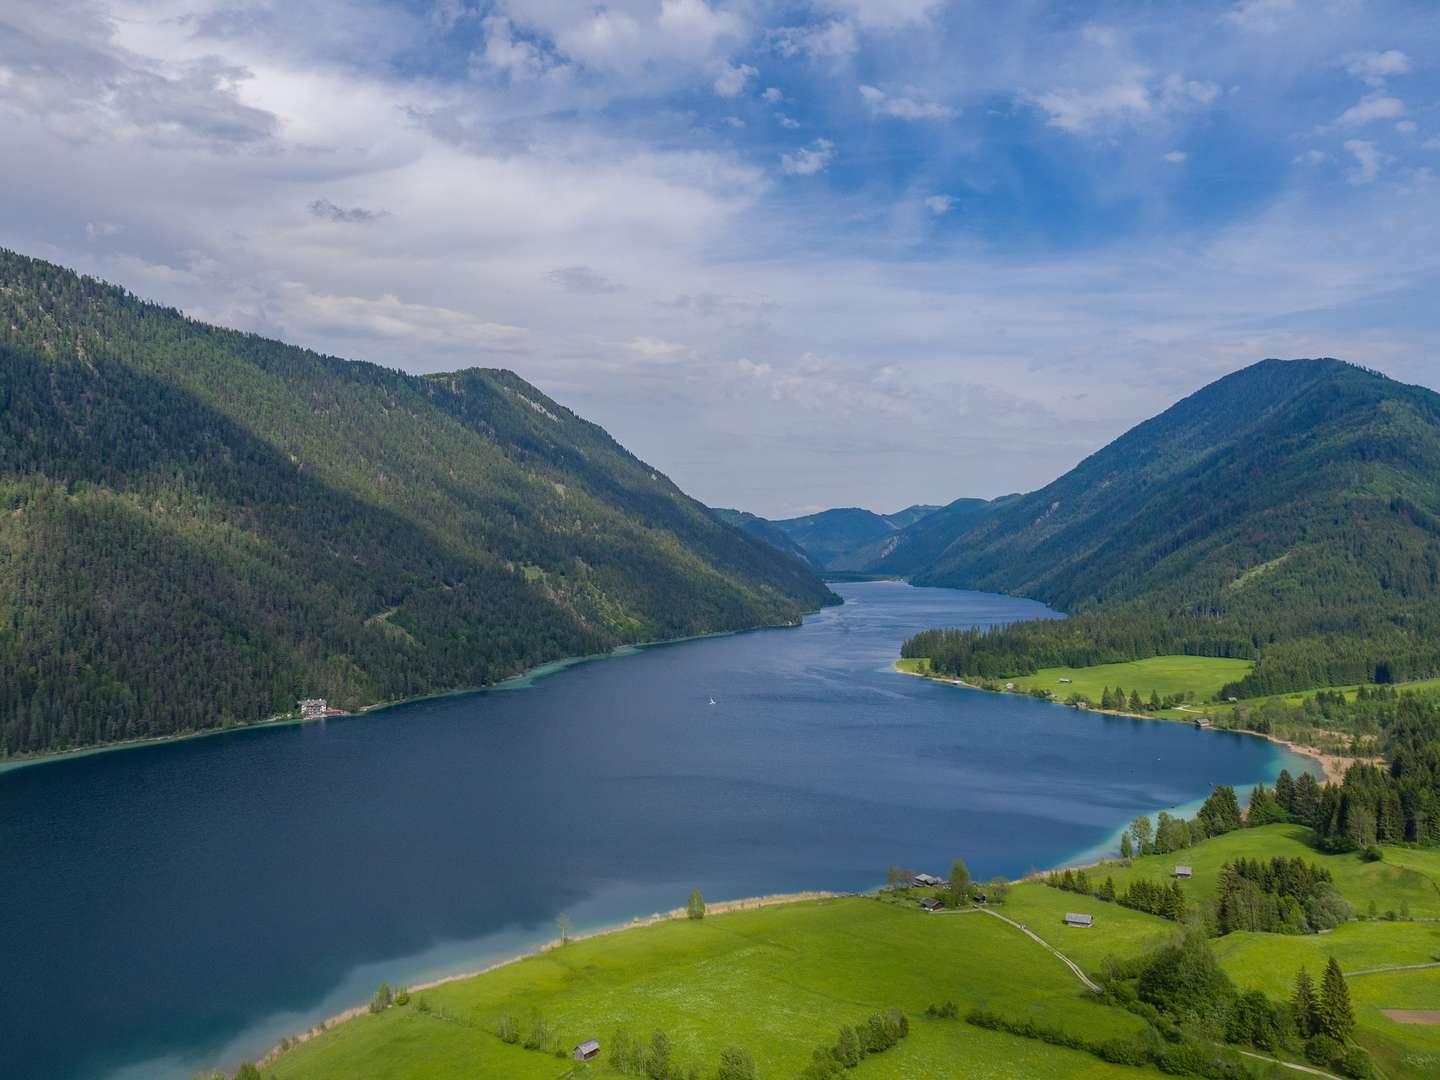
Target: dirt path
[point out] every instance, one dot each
(1093, 988)
(1089, 983)
(1289, 1065)
(1394, 967)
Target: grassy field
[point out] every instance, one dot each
(1202, 676)
(1404, 876)
(777, 981)
(1269, 962)
(1117, 930)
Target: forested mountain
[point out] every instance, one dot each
(1289, 512)
(768, 531)
(850, 537)
(201, 525)
(919, 544)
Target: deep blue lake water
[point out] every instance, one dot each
(184, 905)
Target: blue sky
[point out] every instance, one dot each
(797, 254)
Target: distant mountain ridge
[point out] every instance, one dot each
(202, 525)
(848, 538)
(1288, 512)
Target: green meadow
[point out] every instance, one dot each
(779, 981)
(1404, 876)
(1201, 676)
(776, 981)
(1269, 962)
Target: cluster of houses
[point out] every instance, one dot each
(314, 709)
(933, 904)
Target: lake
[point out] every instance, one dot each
(184, 905)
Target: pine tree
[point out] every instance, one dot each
(1337, 1017)
(1134, 703)
(1302, 1001)
(1285, 791)
(1154, 700)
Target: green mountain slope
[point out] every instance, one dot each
(917, 546)
(199, 525)
(849, 537)
(768, 531)
(1289, 512)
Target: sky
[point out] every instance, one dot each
(795, 254)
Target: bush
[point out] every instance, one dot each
(1322, 1050)
(508, 1029)
(422, 1004)
(402, 996)
(382, 999)
(1122, 1052)
(1355, 1063)
(1372, 854)
(735, 1064)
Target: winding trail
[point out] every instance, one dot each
(1095, 989)
(1392, 967)
(1090, 984)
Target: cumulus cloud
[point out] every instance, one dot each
(506, 55)
(786, 121)
(827, 41)
(884, 14)
(772, 95)
(1375, 67)
(809, 160)
(1261, 16)
(1370, 108)
(1134, 98)
(1175, 157)
(903, 106)
(1368, 161)
(939, 204)
(733, 78)
(100, 230)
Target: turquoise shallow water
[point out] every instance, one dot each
(184, 905)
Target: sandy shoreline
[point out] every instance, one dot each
(1332, 766)
(722, 907)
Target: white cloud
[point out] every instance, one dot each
(733, 78)
(99, 230)
(505, 55)
(903, 107)
(388, 316)
(654, 348)
(1368, 161)
(772, 95)
(828, 41)
(1311, 157)
(1375, 67)
(734, 122)
(1370, 108)
(884, 14)
(1407, 127)
(939, 204)
(1134, 98)
(809, 160)
(787, 122)
(1176, 156)
(1261, 16)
